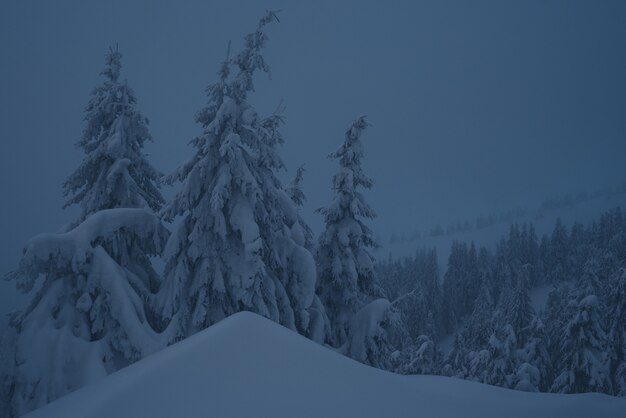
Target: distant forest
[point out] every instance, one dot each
(485, 221)
(575, 344)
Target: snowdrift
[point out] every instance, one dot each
(249, 366)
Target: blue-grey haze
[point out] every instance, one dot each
(476, 106)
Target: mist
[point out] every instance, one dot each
(475, 107)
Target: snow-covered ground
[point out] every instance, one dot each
(248, 366)
(543, 221)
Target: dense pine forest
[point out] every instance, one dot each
(573, 344)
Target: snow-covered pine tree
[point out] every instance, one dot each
(616, 326)
(486, 273)
(367, 329)
(415, 312)
(543, 261)
(413, 285)
(535, 370)
(453, 298)
(376, 336)
(346, 276)
(501, 269)
(471, 284)
(479, 325)
(234, 249)
(7, 368)
(114, 173)
(301, 232)
(432, 293)
(88, 317)
(578, 250)
(423, 359)
(530, 254)
(527, 378)
(295, 192)
(294, 189)
(455, 362)
(557, 257)
(554, 317)
(515, 304)
(584, 363)
(461, 284)
(497, 362)
(391, 277)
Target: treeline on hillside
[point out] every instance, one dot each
(577, 343)
(484, 221)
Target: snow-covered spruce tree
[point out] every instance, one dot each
(294, 189)
(415, 313)
(557, 268)
(376, 336)
(554, 317)
(583, 361)
(479, 325)
(429, 274)
(460, 285)
(527, 378)
(501, 269)
(89, 318)
(535, 370)
(423, 359)
(295, 192)
(235, 248)
(616, 312)
(7, 368)
(114, 172)
(453, 286)
(578, 250)
(413, 284)
(397, 276)
(455, 362)
(471, 284)
(319, 323)
(389, 275)
(497, 363)
(515, 305)
(346, 277)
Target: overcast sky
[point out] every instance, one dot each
(476, 106)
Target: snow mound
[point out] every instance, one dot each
(249, 366)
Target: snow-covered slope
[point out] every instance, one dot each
(543, 221)
(248, 366)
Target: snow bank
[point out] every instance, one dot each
(249, 366)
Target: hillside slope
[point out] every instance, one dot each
(248, 366)
(543, 221)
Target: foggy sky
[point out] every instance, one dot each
(475, 106)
